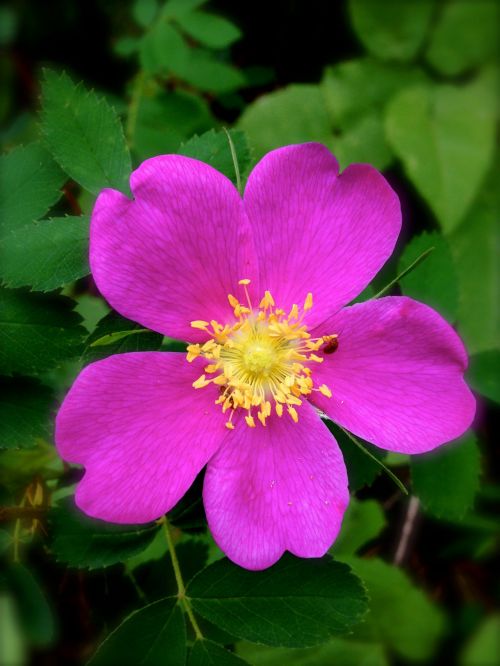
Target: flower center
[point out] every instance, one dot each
(261, 360)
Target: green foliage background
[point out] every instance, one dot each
(410, 87)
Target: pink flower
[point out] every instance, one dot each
(258, 287)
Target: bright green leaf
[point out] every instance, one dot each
(86, 543)
(152, 636)
(445, 137)
(294, 603)
(213, 31)
(113, 324)
(482, 648)
(466, 35)
(205, 71)
(434, 281)
(363, 521)
(84, 134)
(30, 183)
(401, 615)
(213, 148)
(391, 29)
(163, 50)
(484, 373)
(295, 114)
(13, 648)
(446, 480)
(35, 614)
(37, 331)
(46, 255)
(475, 249)
(26, 412)
(208, 653)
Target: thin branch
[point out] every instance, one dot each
(410, 268)
(235, 161)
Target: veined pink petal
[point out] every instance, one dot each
(141, 431)
(173, 254)
(276, 488)
(397, 376)
(316, 231)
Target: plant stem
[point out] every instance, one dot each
(413, 265)
(389, 473)
(133, 108)
(235, 160)
(181, 588)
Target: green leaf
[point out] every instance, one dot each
(35, 614)
(152, 636)
(295, 603)
(391, 29)
(482, 648)
(86, 543)
(484, 374)
(208, 653)
(434, 281)
(474, 246)
(446, 480)
(337, 652)
(445, 137)
(144, 12)
(25, 406)
(37, 331)
(30, 183)
(213, 148)
(294, 114)
(401, 616)
(363, 521)
(163, 49)
(166, 120)
(177, 8)
(13, 648)
(46, 255)
(128, 337)
(465, 36)
(203, 70)
(84, 134)
(212, 31)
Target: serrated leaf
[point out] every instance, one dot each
(401, 615)
(474, 246)
(166, 120)
(446, 480)
(25, 408)
(391, 30)
(294, 114)
(465, 35)
(213, 31)
(47, 254)
(30, 183)
(84, 134)
(213, 148)
(37, 331)
(445, 137)
(434, 281)
(35, 614)
(127, 340)
(152, 636)
(208, 653)
(86, 543)
(295, 603)
(484, 374)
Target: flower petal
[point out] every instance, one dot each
(397, 376)
(276, 488)
(174, 253)
(316, 231)
(141, 431)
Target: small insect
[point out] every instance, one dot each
(332, 344)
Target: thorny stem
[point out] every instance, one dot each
(181, 588)
(235, 160)
(413, 265)
(389, 473)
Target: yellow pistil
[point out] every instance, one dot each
(260, 362)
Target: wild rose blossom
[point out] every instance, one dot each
(258, 286)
